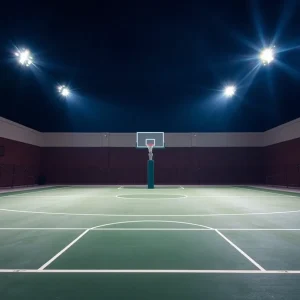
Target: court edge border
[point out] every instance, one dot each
(146, 229)
(137, 271)
(42, 270)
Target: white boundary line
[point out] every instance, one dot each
(62, 251)
(152, 221)
(108, 224)
(25, 188)
(148, 229)
(99, 227)
(240, 250)
(42, 228)
(31, 191)
(266, 190)
(125, 215)
(258, 229)
(152, 229)
(120, 271)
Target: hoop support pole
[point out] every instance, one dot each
(150, 174)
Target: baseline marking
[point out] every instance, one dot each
(63, 250)
(258, 229)
(282, 272)
(42, 228)
(149, 229)
(129, 215)
(240, 250)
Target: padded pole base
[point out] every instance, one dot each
(150, 174)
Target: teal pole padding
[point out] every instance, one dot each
(150, 173)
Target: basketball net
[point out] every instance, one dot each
(150, 148)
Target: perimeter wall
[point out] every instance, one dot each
(282, 154)
(189, 158)
(112, 158)
(20, 162)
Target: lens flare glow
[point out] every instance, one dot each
(267, 56)
(24, 57)
(63, 90)
(229, 90)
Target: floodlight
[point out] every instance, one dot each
(63, 90)
(267, 56)
(24, 57)
(229, 90)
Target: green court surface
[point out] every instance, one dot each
(133, 243)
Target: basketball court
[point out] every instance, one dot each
(217, 242)
(150, 150)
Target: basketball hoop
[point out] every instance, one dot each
(150, 148)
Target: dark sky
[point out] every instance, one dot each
(150, 65)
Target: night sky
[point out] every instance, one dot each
(150, 65)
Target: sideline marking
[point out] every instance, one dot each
(31, 192)
(240, 250)
(283, 272)
(124, 215)
(62, 251)
(267, 190)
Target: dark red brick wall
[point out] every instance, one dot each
(282, 163)
(172, 165)
(20, 164)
